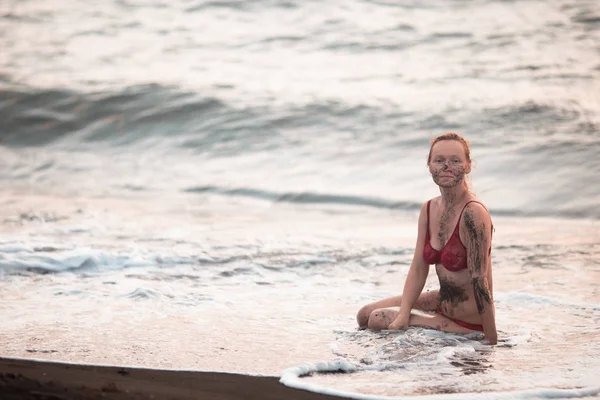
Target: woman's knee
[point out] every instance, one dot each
(380, 318)
(362, 317)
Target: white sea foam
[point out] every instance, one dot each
(422, 354)
(292, 377)
(54, 259)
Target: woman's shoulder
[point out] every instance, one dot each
(476, 205)
(434, 201)
(475, 210)
(426, 207)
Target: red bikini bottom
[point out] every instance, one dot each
(467, 325)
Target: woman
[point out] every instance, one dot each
(455, 234)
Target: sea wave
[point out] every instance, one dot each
(39, 117)
(365, 201)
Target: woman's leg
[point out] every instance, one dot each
(427, 301)
(381, 319)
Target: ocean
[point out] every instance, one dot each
(221, 185)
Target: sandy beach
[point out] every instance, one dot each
(35, 379)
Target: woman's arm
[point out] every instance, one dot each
(477, 231)
(416, 278)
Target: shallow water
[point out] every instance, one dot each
(279, 288)
(221, 185)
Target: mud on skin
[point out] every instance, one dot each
(478, 244)
(446, 216)
(451, 293)
(458, 172)
(385, 317)
(481, 293)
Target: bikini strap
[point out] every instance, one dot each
(427, 231)
(469, 202)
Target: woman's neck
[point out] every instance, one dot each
(454, 195)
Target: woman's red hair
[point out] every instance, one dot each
(451, 136)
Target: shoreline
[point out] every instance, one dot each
(22, 378)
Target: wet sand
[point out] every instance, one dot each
(35, 379)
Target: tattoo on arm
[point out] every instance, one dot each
(482, 293)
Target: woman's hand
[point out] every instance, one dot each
(400, 323)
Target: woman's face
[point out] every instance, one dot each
(448, 165)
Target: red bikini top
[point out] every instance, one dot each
(453, 256)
